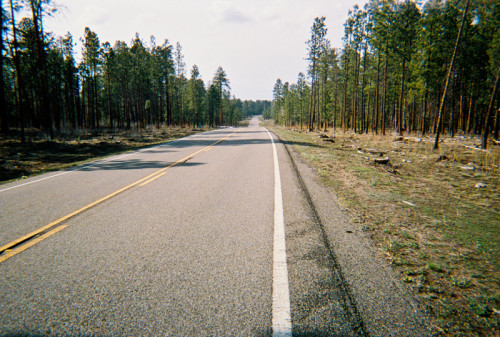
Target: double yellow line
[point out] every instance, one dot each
(17, 246)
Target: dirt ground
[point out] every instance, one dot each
(38, 154)
(434, 215)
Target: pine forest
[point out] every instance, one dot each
(115, 86)
(408, 66)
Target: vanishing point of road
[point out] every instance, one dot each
(223, 233)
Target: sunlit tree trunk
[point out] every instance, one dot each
(448, 77)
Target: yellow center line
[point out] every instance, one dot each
(9, 253)
(183, 160)
(7, 250)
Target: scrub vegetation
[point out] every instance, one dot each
(434, 215)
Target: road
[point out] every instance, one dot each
(182, 239)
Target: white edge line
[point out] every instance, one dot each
(94, 164)
(281, 320)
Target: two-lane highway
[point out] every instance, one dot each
(188, 252)
(184, 239)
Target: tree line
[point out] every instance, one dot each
(408, 66)
(124, 86)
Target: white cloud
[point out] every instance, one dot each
(234, 16)
(96, 15)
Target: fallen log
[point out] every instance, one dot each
(375, 152)
(476, 148)
(382, 161)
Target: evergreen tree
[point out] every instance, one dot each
(221, 82)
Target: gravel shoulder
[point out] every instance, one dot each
(382, 301)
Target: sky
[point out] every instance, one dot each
(255, 41)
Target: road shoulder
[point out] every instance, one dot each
(385, 305)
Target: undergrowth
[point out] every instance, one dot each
(433, 214)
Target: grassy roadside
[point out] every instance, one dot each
(40, 155)
(434, 216)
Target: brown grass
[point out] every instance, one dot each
(426, 215)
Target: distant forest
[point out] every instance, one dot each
(410, 66)
(113, 86)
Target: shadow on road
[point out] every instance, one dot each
(134, 164)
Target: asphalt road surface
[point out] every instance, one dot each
(181, 240)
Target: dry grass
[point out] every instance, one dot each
(425, 213)
(40, 155)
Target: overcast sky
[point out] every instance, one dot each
(255, 41)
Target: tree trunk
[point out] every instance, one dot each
(300, 116)
(377, 94)
(384, 99)
(363, 83)
(110, 105)
(37, 12)
(401, 98)
(355, 95)
(367, 123)
(335, 101)
(169, 103)
(220, 110)
(315, 102)
(497, 124)
(441, 106)
(3, 101)
(96, 103)
(451, 126)
(344, 103)
(424, 117)
(461, 124)
(489, 115)
(470, 114)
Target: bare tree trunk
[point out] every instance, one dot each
(384, 99)
(441, 106)
(344, 104)
(110, 105)
(471, 105)
(377, 94)
(323, 101)
(461, 111)
(363, 83)
(497, 124)
(169, 103)
(312, 106)
(402, 98)
(453, 116)
(220, 112)
(96, 102)
(335, 102)
(19, 79)
(315, 104)
(355, 94)
(489, 116)
(300, 117)
(425, 108)
(3, 102)
(37, 12)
